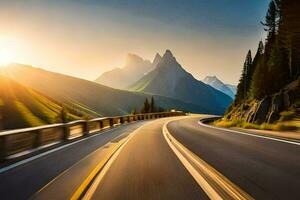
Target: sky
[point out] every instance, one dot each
(88, 37)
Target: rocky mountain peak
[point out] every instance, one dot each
(168, 56)
(157, 59)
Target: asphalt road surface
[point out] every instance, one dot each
(145, 167)
(264, 168)
(23, 181)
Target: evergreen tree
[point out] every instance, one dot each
(272, 19)
(152, 105)
(146, 107)
(257, 62)
(289, 36)
(278, 62)
(244, 83)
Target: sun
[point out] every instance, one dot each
(7, 51)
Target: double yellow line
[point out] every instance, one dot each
(215, 185)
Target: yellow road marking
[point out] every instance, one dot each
(215, 185)
(78, 193)
(100, 170)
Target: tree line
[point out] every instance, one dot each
(149, 107)
(277, 60)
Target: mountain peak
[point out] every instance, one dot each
(219, 85)
(157, 59)
(168, 56)
(133, 58)
(209, 79)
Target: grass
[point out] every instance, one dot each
(288, 121)
(22, 107)
(240, 123)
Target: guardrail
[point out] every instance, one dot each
(23, 141)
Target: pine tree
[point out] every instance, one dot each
(257, 74)
(272, 19)
(152, 105)
(146, 107)
(289, 36)
(244, 83)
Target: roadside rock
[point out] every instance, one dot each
(268, 109)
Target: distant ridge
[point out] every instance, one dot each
(216, 83)
(88, 95)
(171, 80)
(120, 78)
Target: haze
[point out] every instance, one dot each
(84, 39)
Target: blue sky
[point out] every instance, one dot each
(86, 38)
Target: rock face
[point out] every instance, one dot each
(268, 109)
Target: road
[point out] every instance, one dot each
(264, 168)
(146, 166)
(23, 181)
(148, 169)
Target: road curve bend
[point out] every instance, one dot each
(264, 168)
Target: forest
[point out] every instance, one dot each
(268, 90)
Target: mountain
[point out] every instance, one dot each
(171, 80)
(233, 88)
(133, 70)
(219, 85)
(156, 59)
(22, 107)
(88, 95)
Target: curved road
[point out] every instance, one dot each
(22, 181)
(145, 167)
(264, 168)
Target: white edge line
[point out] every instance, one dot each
(249, 134)
(211, 193)
(83, 159)
(27, 160)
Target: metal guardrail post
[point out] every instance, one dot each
(66, 132)
(2, 148)
(101, 124)
(111, 122)
(86, 128)
(39, 136)
(37, 139)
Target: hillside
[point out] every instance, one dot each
(22, 107)
(219, 85)
(268, 93)
(171, 80)
(89, 95)
(120, 78)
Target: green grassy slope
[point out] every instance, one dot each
(23, 107)
(92, 96)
